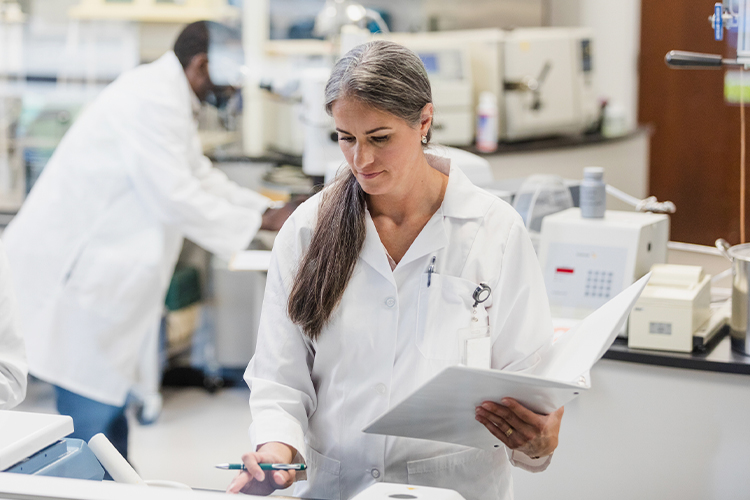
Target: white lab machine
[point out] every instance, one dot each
(543, 78)
(35, 444)
(548, 82)
(674, 305)
(296, 119)
(585, 262)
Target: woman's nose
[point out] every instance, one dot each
(362, 155)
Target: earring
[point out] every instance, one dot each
(424, 139)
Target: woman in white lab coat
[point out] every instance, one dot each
(369, 285)
(95, 243)
(13, 368)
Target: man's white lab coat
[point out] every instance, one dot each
(94, 246)
(13, 368)
(389, 335)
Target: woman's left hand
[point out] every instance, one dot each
(520, 428)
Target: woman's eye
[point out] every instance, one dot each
(346, 138)
(381, 138)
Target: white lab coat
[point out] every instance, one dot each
(93, 247)
(13, 368)
(389, 335)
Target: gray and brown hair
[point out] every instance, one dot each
(388, 77)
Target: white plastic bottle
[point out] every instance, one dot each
(487, 123)
(593, 193)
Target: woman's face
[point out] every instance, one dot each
(381, 149)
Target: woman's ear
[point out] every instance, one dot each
(425, 121)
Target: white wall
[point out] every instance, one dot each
(617, 32)
(625, 164)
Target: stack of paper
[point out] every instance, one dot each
(443, 408)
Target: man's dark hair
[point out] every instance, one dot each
(192, 41)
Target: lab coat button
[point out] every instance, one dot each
(390, 302)
(375, 473)
(381, 388)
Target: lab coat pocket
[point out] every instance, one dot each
(472, 472)
(445, 307)
(323, 476)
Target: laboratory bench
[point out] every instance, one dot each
(717, 357)
(654, 424)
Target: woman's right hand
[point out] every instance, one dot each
(254, 481)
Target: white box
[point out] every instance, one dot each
(673, 306)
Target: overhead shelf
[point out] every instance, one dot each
(154, 11)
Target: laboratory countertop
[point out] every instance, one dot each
(719, 356)
(559, 142)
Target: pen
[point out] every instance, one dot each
(430, 270)
(263, 466)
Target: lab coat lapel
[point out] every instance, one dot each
(373, 251)
(432, 238)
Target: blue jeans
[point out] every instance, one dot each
(92, 417)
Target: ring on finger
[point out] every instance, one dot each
(509, 431)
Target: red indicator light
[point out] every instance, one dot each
(565, 270)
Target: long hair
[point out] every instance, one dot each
(388, 77)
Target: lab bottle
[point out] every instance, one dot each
(593, 193)
(487, 123)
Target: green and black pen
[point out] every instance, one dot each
(263, 466)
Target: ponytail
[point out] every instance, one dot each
(330, 259)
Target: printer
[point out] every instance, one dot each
(675, 304)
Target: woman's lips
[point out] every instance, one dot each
(370, 176)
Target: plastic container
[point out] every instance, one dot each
(487, 132)
(593, 193)
(539, 196)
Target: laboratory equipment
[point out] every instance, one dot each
(35, 444)
(729, 14)
(539, 196)
(650, 204)
(593, 193)
(542, 77)
(548, 82)
(672, 308)
(739, 323)
(296, 78)
(587, 261)
(336, 14)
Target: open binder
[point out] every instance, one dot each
(443, 408)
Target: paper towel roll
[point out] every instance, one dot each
(113, 462)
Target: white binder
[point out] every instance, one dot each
(443, 408)
(23, 433)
